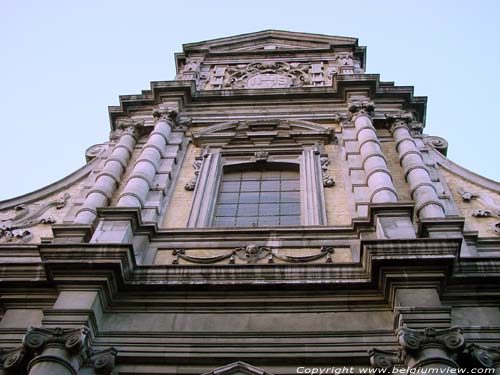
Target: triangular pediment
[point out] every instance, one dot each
(268, 131)
(270, 40)
(237, 368)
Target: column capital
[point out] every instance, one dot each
(487, 356)
(12, 360)
(166, 115)
(429, 346)
(386, 358)
(61, 348)
(358, 108)
(450, 339)
(128, 126)
(395, 120)
(74, 340)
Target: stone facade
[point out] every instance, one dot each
(273, 209)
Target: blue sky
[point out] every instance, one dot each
(64, 62)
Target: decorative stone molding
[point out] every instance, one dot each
(277, 74)
(327, 180)
(488, 357)
(430, 346)
(29, 216)
(191, 184)
(252, 254)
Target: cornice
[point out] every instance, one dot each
(343, 85)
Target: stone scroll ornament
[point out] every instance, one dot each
(16, 227)
(489, 207)
(278, 74)
(488, 357)
(74, 341)
(421, 348)
(252, 254)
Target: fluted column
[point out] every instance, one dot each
(108, 180)
(422, 189)
(142, 177)
(378, 176)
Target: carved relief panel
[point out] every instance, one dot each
(267, 74)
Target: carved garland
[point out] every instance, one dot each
(252, 254)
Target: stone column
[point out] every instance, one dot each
(421, 350)
(142, 177)
(431, 348)
(57, 351)
(378, 176)
(487, 356)
(422, 189)
(109, 179)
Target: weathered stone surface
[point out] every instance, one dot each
(388, 243)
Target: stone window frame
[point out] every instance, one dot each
(214, 159)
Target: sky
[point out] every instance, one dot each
(63, 62)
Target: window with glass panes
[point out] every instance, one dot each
(258, 198)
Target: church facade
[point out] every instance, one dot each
(272, 210)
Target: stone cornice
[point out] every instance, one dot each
(186, 93)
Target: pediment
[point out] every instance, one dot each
(264, 131)
(237, 368)
(270, 40)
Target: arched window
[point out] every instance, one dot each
(258, 194)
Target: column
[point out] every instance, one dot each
(142, 177)
(431, 348)
(57, 351)
(421, 350)
(109, 179)
(378, 177)
(422, 189)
